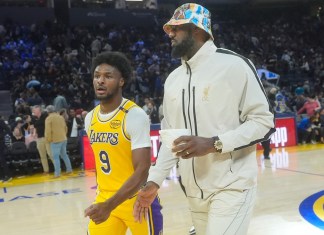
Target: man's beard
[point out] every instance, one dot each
(183, 47)
(106, 97)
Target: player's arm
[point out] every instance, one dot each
(141, 162)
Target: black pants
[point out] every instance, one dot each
(308, 136)
(266, 147)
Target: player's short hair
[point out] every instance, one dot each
(115, 59)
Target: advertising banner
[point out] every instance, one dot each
(285, 134)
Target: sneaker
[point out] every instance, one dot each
(192, 230)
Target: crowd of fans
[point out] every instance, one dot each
(50, 64)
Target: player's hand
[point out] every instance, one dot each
(193, 146)
(98, 213)
(144, 200)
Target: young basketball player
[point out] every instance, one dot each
(119, 134)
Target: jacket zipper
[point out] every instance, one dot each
(195, 121)
(189, 95)
(194, 109)
(183, 108)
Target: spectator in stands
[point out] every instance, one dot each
(280, 104)
(18, 122)
(64, 114)
(152, 112)
(308, 129)
(4, 130)
(21, 100)
(43, 146)
(76, 102)
(31, 136)
(55, 134)
(307, 87)
(33, 97)
(316, 128)
(82, 118)
(299, 100)
(17, 135)
(83, 70)
(60, 101)
(106, 46)
(27, 125)
(310, 106)
(145, 106)
(96, 46)
(74, 124)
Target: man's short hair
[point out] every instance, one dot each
(115, 59)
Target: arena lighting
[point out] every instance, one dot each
(97, 1)
(101, 1)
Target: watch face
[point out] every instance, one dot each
(219, 145)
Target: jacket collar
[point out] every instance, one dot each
(207, 49)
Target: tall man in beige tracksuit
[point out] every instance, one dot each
(55, 134)
(218, 96)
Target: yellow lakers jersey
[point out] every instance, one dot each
(111, 147)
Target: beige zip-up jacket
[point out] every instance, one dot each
(55, 128)
(216, 93)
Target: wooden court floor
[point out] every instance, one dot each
(290, 199)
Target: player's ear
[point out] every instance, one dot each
(121, 82)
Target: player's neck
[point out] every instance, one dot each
(108, 106)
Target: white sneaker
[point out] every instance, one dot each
(192, 230)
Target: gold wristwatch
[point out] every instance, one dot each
(218, 145)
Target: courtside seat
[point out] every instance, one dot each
(19, 158)
(73, 150)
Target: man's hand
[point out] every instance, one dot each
(98, 213)
(193, 146)
(144, 200)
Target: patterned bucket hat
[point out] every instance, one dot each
(190, 13)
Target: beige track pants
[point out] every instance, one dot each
(227, 212)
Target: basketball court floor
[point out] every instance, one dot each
(290, 199)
